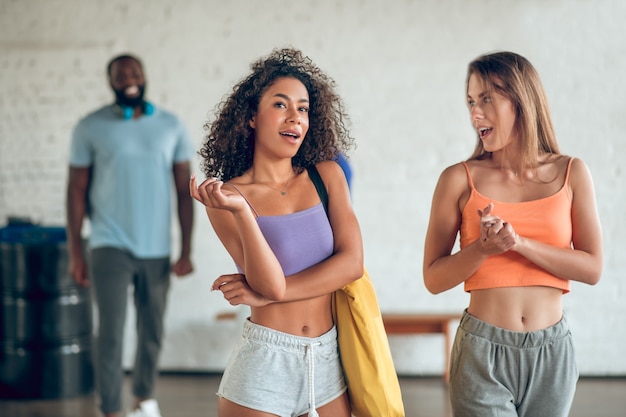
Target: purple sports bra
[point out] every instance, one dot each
(299, 240)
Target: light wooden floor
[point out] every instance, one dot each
(193, 395)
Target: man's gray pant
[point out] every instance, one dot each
(112, 271)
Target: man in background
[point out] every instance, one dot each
(124, 159)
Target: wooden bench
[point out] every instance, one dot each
(399, 324)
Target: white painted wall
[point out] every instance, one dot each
(400, 66)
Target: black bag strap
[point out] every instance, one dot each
(319, 186)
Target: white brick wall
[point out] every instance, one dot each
(400, 67)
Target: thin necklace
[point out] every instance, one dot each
(283, 191)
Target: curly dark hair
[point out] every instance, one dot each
(228, 146)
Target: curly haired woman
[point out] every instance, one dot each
(280, 121)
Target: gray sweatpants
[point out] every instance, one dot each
(111, 272)
(496, 372)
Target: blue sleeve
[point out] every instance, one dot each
(345, 166)
(184, 148)
(80, 149)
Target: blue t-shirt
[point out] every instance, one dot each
(131, 190)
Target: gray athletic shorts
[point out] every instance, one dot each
(498, 372)
(283, 374)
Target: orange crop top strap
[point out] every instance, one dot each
(469, 176)
(569, 168)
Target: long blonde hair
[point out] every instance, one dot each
(513, 76)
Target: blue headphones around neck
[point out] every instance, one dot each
(128, 112)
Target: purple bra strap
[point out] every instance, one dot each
(244, 197)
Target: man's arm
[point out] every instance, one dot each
(182, 174)
(76, 209)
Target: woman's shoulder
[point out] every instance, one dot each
(242, 182)
(577, 164)
(578, 170)
(330, 171)
(566, 165)
(329, 168)
(456, 172)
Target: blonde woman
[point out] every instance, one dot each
(528, 225)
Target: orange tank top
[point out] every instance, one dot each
(547, 220)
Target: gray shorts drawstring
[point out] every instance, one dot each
(311, 364)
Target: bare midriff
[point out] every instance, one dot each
(307, 318)
(519, 309)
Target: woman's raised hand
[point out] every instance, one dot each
(212, 194)
(496, 235)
